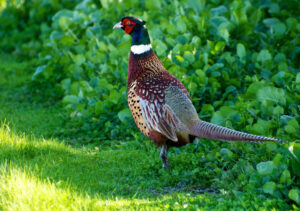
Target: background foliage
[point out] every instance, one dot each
(238, 59)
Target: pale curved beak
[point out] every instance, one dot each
(118, 26)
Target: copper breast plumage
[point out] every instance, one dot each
(147, 82)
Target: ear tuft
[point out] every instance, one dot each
(144, 22)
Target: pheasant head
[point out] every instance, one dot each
(135, 27)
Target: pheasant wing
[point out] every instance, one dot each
(157, 107)
(159, 117)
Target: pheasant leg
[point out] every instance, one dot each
(164, 157)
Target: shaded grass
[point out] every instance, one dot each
(24, 109)
(39, 171)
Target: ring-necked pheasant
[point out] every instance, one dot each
(160, 104)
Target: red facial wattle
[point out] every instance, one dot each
(128, 25)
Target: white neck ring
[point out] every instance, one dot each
(140, 49)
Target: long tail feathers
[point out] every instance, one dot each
(208, 130)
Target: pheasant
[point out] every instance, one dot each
(160, 104)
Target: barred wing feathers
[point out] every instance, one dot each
(158, 115)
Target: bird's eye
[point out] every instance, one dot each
(128, 23)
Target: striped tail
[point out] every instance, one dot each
(208, 130)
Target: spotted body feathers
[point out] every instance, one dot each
(147, 84)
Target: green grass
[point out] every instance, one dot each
(41, 171)
(25, 110)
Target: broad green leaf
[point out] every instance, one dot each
(105, 3)
(79, 17)
(64, 23)
(225, 113)
(161, 47)
(278, 111)
(179, 58)
(229, 58)
(292, 127)
(66, 84)
(265, 168)
(182, 40)
(277, 160)
(219, 46)
(272, 94)
(269, 22)
(256, 16)
(264, 56)
(274, 8)
(71, 99)
(279, 29)
(172, 30)
(216, 66)
(207, 108)
(294, 194)
(85, 86)
(124, 115)
(62, 13)
(292, 23)
(285, 177)
(294, 149)
(219, 22)
(55, 35)
(271, 146)
(115, 96)
(226, 153)
(200, 73)
(260, 127)
(220, 10)
(75, 87)
(196, 41)
(240, 16)
(279, 58)
(68, 40)
(79, 59)
(99, 107)
(295, 167)
(279, 77)
(241, 51)
(153, 5)
(181, 26)
(189, 56)
(170, 41)
(253, 89)
(229, 89)
(269, 187)
(224, 33)
(198, 6)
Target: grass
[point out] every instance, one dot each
(41, 171)
(23, 108)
